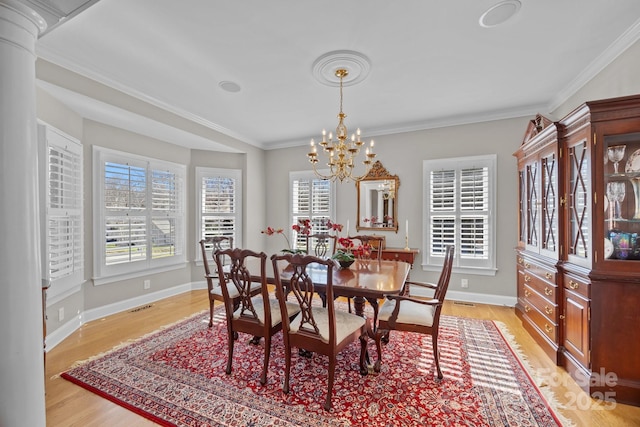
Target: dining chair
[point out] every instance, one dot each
(404, 313)
(259, 315)
(371, 245)
(323, 330)
(322, 245)
(213, 244)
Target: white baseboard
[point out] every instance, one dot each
(57, 336)
(482, 298)
(469, 297)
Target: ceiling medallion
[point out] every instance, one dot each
(356, 64)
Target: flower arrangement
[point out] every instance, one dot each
(345, 252)
(303, 226)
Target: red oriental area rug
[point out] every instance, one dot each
(176, 377)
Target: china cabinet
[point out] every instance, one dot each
(578, 252)
(601, 264)
(537, 253)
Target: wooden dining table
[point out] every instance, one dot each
(364, 281)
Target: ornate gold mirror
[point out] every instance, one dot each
(378, 200)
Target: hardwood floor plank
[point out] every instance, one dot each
(71, 405)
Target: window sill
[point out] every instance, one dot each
(97, 281)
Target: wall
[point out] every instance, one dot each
(402, 155)
(620, 78)
(95, 301)
(266, 180)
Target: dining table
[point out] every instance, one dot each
(366, 280)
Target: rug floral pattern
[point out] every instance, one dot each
(176, 377)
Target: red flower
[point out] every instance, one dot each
(334, 227)
(302, 227)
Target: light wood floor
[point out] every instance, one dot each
(70, 405)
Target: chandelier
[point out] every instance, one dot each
(343, 152)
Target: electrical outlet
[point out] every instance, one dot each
(60, 314)
(464, 283)
(147, 284)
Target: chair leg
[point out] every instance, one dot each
(287, 368)
(379, 336)
(363, 355)
(267, 353)
(231, 339)
(332, 374)
(436, 354)
(211, 302)
(349, 304)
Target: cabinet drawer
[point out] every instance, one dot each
(544, 272)
(541, 322)
(541, 286)
(544, 306)
(579, 286)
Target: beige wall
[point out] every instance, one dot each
(266, 176)
(402, 155)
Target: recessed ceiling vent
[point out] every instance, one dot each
(499, 13)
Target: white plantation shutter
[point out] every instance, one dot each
(311, 198)
(139, 204)
(459, 199)
(220, 195)
(63, 260)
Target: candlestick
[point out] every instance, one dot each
(406, 235)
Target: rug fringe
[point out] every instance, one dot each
(130, 341)
(544, 388)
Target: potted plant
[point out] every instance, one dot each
(344, 254)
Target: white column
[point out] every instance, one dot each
(21, 359)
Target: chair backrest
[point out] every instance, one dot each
(241, 274)
(213, 244)
(371, 245)
(302, 288)
(445, 274)
(322, 245)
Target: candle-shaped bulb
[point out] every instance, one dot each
(313, 143)
(324, 135)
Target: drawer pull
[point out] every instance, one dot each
(573, 285)
(548, 309)
(527, 278)
(548, 328)
(548, 291)
(527, 265)
(527, 308)
(561, 317)
(548, 276)
(527, 293)
(520, 260)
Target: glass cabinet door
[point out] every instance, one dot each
(549, 214)
(578, 200)
(532, 205)
(622, 196)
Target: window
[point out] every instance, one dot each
(62, 230)
(139, 214)
(311, 198)
(459, 199)
(219, 196)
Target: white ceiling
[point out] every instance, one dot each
(432, 64)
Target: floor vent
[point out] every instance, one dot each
(144, 307)
(468, 304)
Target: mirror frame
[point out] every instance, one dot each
(378, 173)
